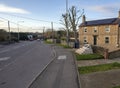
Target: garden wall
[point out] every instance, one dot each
(114, 54)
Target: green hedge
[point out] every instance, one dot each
(88, 56)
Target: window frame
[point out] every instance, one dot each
(85, 40)
(85, 29)
(107, 28)
(95, 30)
(107, 40)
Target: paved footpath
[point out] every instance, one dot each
(61, 73)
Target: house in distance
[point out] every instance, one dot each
(103, 32)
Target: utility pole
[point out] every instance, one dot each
(66, 6)
(52, 32)
(67, 30)
(18, 32)
(9, 31)
(43, 32)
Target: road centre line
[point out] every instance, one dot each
(4, 58)
(4, 50)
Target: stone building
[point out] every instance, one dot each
(103, 32)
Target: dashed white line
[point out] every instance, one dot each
(15, 47)
(4, 58)
(6, 65)
(4, 51)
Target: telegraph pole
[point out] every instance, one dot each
(18, 32)
(52, 32)
(67, 30)
(43, 32)
(66, 6)
(9, 31)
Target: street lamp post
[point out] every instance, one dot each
(19, 29)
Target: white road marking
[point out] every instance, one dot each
(62, 57)
(16, 47)
(4, 51)
(4, 58)
(7, 65)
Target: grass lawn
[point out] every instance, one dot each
(64, 46)
(97, 68)
(88, 57)
(48, 42)
(117, 87)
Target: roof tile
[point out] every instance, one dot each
(101, 22)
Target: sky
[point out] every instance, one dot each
(46, 11)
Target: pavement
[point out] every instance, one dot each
(106, 79)
(60, 73)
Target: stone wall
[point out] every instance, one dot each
(98, 49)
(114, 54)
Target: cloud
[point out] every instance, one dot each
(8, 9)
(105, 8)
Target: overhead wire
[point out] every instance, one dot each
(29, 18)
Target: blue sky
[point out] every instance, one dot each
(51, 10)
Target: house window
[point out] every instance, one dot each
(107, 40)
(85, 40)
(95, 29)
(107, 28)
(85, 29)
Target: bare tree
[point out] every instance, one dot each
(66, 23)
(74, 17)
(70, 21)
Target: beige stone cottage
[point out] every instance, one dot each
(103, 32)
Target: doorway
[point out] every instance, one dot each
(95, 39)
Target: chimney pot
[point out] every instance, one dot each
(119, 14)
(83, 19)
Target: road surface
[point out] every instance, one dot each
(21, 63)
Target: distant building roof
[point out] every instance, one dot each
(101, 22)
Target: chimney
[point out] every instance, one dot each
(83, 19)
(119, 14)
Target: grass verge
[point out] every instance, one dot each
(64, 46)
(98, 68)
(48, 42)
(88, 57)
(117, 87)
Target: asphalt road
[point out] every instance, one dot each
(21, 63)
